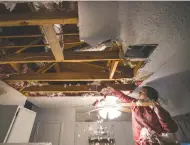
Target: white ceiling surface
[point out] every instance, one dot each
(98, 21)
(164, 23)
(57, 102)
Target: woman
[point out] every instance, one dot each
(148, 122)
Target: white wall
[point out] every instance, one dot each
(93, 116)
(55, 125)
(59, 126)
(122, 132)
(10, 96)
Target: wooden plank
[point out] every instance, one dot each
(113, 68)
(45, 68)
(53, 42)
(70, 45)
(77, 89)
(21, 36)
(16, 66)
(22, 46)
(37, 18)
(108, 64)
(57, 68)
(32, 43)
(137, 67)
(71, 39)
(69, 57)
(35, 35)
(82, 67)
(66, 76)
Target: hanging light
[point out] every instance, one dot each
(110, 113)
(113, 113)
(103, 113)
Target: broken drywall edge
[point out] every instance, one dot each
(10, 5)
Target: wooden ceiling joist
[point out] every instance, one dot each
(21, 36)
(57, 68)
(34, 35)
(68, 57)
(16, 66)
(31, 44)
(137, 67)
(67, 76)
(51, 37)
(113, 68)
(69, 34)
(66, 45)
(45, 68)
(83, 67)
(21, 46)
(37, 18)
(76, 89)
(70, 45)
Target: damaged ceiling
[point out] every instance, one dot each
(43, 56)
(131, 23)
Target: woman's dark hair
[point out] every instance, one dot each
(152, 93)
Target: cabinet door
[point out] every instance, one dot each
(7, 117)
(48, 132)
(22, 127)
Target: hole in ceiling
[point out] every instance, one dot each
(140, 51)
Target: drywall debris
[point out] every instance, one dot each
(10, 5)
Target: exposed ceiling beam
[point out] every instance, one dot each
(53, 41)
(77, 89)
(137, 67)
(82, 67)
(73, 44)
(68, 57)
(29, 45)
(22, 46)
(67, 76)
(34, 35)
(37, 18)
(113, 68)
(21, 36)
(108, 64)
(16, 67)
(57, 68)
(66, 45)
(45, 68)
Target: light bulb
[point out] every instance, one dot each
(111, 113)
(112, 100)
(103, 113)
